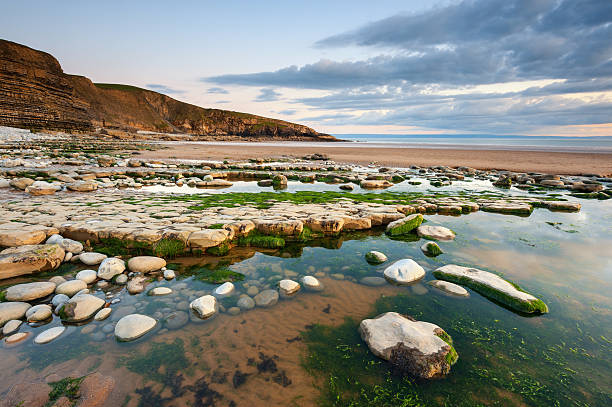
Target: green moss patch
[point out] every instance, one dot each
(67, 387)
(161, 362)
(256, 239)
(217, 276)
(451, 356)
(408, 225)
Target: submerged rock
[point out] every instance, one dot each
(449, 288)
(374, 257)
(404, 271)
(405, 225)
(373, 281)
(431, 249)
(288, 287)
(29, 259)
(246, 303)
(205, 306)
(160, 291)
(49, 335)
(311, 283)
(133, 326)
(420, 349)
(435, 232)
(224, 289)
(492, 286)
(266, 298)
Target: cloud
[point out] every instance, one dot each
(267, 95)
(288, 112)
(163, 89)
(222, 101)
(217, 90)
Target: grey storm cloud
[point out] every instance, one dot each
(474, 42)
(267, 95)
(163, 89)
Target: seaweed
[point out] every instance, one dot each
(67, 387)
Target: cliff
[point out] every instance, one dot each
(36, 93)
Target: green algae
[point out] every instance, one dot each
(408, 224)
(67, 387)
(256, 239)
(218, 276)
(161, 362)
(167, 248)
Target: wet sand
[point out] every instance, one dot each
(569, 163)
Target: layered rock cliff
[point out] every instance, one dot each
(36, 93)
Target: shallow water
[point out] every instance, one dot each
(259, 357)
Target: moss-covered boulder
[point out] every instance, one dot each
(374, 257)
(404, 225)
(431, 249)
(416, 348)
(492, 286)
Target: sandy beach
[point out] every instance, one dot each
(569, 163)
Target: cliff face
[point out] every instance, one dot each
(36, 93)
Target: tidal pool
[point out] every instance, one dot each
(305, 350)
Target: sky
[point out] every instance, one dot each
(529, 67)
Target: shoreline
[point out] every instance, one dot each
(518, 160)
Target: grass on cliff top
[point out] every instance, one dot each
(118, 86)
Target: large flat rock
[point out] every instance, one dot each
(30, 259)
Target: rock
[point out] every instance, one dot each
(21, 236)
(95, 390)
(17, 337)
(29, 259)
(82, 186)
(240, 228)
(492, 286)
(404, 271)
(49, 335)
(431, 249)
(177, 319)
(102, 314)
(405, 225)
(435, 232)
(346, 187)
(327, 224)
(503, 182)
(252, 291)
(510, 208)
(215, 183)
(160, 291)
(27, 395)
(265, 183)
(246, 303)
(91, 258)
(136, 285)
(145, 264)
(266, 298)
(311, 283)
(169, 274)
(110, 267)
(41, 188)
(88, 276)
(106, 161)
(71, 287)
(207, 238)
(205, 306)
(285, 227)
(133, 326)
(11, 327)
(38, 313)
(419, 349)
(224, 289)
(279, 180)
(59, 299)
(67, 257)
(21, 183)
(288, 287)
(375, 184)
(80, 307)
(29, 291)
(374, 257)
(54, 239)
(373, 281)
(71, 246)
(449, 288)
(57, 280)
(233, 311)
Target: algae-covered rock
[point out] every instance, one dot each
(435, 232)
(405, 225)
(374, 257)
(492, 286)
(417, 348)
(431, 249)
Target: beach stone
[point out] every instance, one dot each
(373, 281)
(177, 319)
(21, 183)
(29, 291)
(435, 232)
(17, 337)
(54, 239)
(449, 288)
(252, 291)
(224, 289)
(102, 314)
(29, 259)
(205, 306)
(68, 256)
(38, 313)
(405, 271)
(266, 298)
(71, 246)
(246, 303)
(311, 283)
(404, 225)
(87, 276)
(133, 326)
(160, 291)
(233, 310)
(92, 258)
(136, 285)
(57, 280)
(169, 274)
(413, 347)
(71, 287)
(41, 188)
(10, 327)
(346, 187)
(327, 224)
(145, 264)
(80, 307)
(23, 235)
(110, 267)
(207, 238)
(288, 287)
(82, 186)
(284, 227)
(374, 257)
(431, 249)
(121, 279)
(492, 286)
(375, 184)
(49, 335)
(59, 299)
(240, 228)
